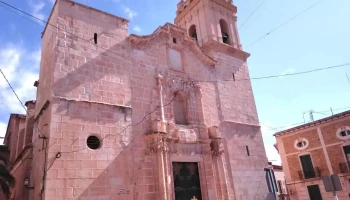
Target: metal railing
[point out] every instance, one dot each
(312, 173)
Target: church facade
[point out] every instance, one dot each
(170, 115)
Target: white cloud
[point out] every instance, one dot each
(272, 154)
(9, 62)
(287, 71)
(21, 69)
(37, 8)
(137, 29)
(3, 128)
(269, 140)
(131, 14)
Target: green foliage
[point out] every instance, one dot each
(6, 178)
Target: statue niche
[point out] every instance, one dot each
(180, 108)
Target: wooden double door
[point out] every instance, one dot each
(186, 181)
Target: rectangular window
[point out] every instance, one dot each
(307, 166)
(347, 153)
(314, 192)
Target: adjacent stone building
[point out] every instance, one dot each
(17, 148)
(313, 150)
(170, 115)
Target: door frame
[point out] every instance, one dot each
(318, 185)
(184, 158)
(301, 166)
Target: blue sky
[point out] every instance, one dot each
(318, 38)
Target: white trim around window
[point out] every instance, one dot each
(343, 133)
(301, 144)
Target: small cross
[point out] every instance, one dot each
(194, 198)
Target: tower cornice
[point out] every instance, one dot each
(185, 7)
(215, 46)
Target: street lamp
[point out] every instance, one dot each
(26, 183)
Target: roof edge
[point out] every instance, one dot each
(74, 2)
(314, 123)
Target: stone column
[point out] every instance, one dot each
(162, 151)
(160, 91)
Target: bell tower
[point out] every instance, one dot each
(208, 21)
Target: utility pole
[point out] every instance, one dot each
(347, 78)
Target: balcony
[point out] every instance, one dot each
(308, 174)
(344, 167)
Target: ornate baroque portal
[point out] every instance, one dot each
(181, 150)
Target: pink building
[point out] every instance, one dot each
(162, 116)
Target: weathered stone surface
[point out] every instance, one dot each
(110, 90)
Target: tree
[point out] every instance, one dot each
(6, 178)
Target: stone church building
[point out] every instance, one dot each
(165, 116)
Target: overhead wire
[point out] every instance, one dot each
(13, 90)
(58, 28)
(256, 78)
(301, 123)
(20, 15)
(130, 125)
(284, 23)
(280, 75)
(257, 8)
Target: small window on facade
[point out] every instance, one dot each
(174, 40)
(93, 142)
(95, 38)
(343, 133)
(301, 143)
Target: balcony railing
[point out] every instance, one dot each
(313, 173)
(344, 167)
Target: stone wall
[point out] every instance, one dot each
(21, 170)
(311, 136)
(336, 156)
(329, 131)
(294, 167)
(110, 91)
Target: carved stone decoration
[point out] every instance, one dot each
(214, 133)
(186, 135)
(178, 83)
(158, 126)
(217, 147)
(157, 142)
(206, 147)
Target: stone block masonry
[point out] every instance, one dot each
(97, 106)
